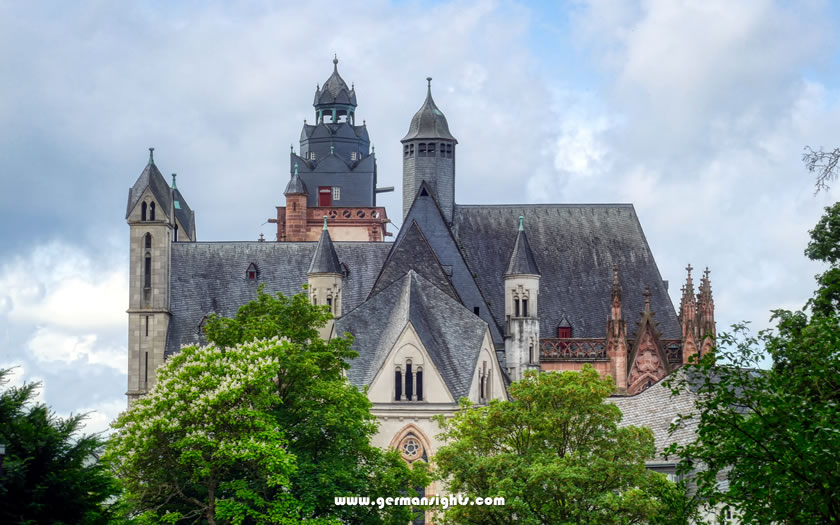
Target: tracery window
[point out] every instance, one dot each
(410, 383)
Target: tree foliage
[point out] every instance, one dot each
(774, 435)
(260, 426)
(557, 455)
(50, 473)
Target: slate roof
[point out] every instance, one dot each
(655, 409)
(185, 214)
(451, 333)
(521, 258)
(575, 247)
(412, 252)
(428, 215)
(151, 178)
(324, 260)
(209, 277)
(335, 90)
(295, 186)
(429, 122)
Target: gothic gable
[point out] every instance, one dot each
(649, 363)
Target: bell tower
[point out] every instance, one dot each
(429, 155)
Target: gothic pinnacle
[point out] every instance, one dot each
(151, 155)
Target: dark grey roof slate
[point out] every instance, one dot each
(210, 277)
(151, 178)
(412, 252)
(185, 215)
(521, 258)
(335, 90)
(575, 247)
(429, 122)
(426, 212)
(295, 186)
(324, 260)
(451, 333)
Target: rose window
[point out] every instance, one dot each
(411, 448)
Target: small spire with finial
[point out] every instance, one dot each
(262, 238)
(335, 62)
(151, 155)
(429, 80)
(372, 149)
(325, 223)
(689, 268)
(615, 274)
(522, 223)
(174, 186)
(332, 148)
(647, 298)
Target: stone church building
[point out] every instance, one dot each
(463, 301)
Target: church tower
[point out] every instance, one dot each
(429, 155)
(522, 288)
(157, 216)
(337, 167)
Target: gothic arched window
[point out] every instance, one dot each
(152, 211)
(147, 242)
(175, 239)
(419, 383)
(143, 212)
(397, 384)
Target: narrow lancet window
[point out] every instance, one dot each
(524, 307)
(147, 272)
(409, 390)
(419, 384)
(152, 211)
(147, 241)
(397, 385)
(516, 307)
(143, 212)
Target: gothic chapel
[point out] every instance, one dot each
(460, 304)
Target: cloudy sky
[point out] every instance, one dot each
(694, 111)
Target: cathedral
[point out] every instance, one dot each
(463, 301)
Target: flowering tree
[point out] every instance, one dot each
(193, 447)
(261, 426)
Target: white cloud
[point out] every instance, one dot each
(49, 345)
(57, 284)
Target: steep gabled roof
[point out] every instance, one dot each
(150, 178)
(429, 217)
(451, 334)
(412, 252)
(575, 247)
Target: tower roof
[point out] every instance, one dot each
(522, 258)
(335, 90)
(295, 185)
(429, 122)
(324, 260)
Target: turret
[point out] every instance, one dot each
(295, 212)
(522, 288)
(326, 278)
(617, 336)
(429, 155)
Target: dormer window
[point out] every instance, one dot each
(252, 272)
(564, 332)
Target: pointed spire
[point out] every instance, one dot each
(325, 260)
(429, 122)
(522, 260)
(295, 185)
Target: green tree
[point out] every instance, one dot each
(557, 455)
(774, 434)
(286, 405)
(50, 473)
